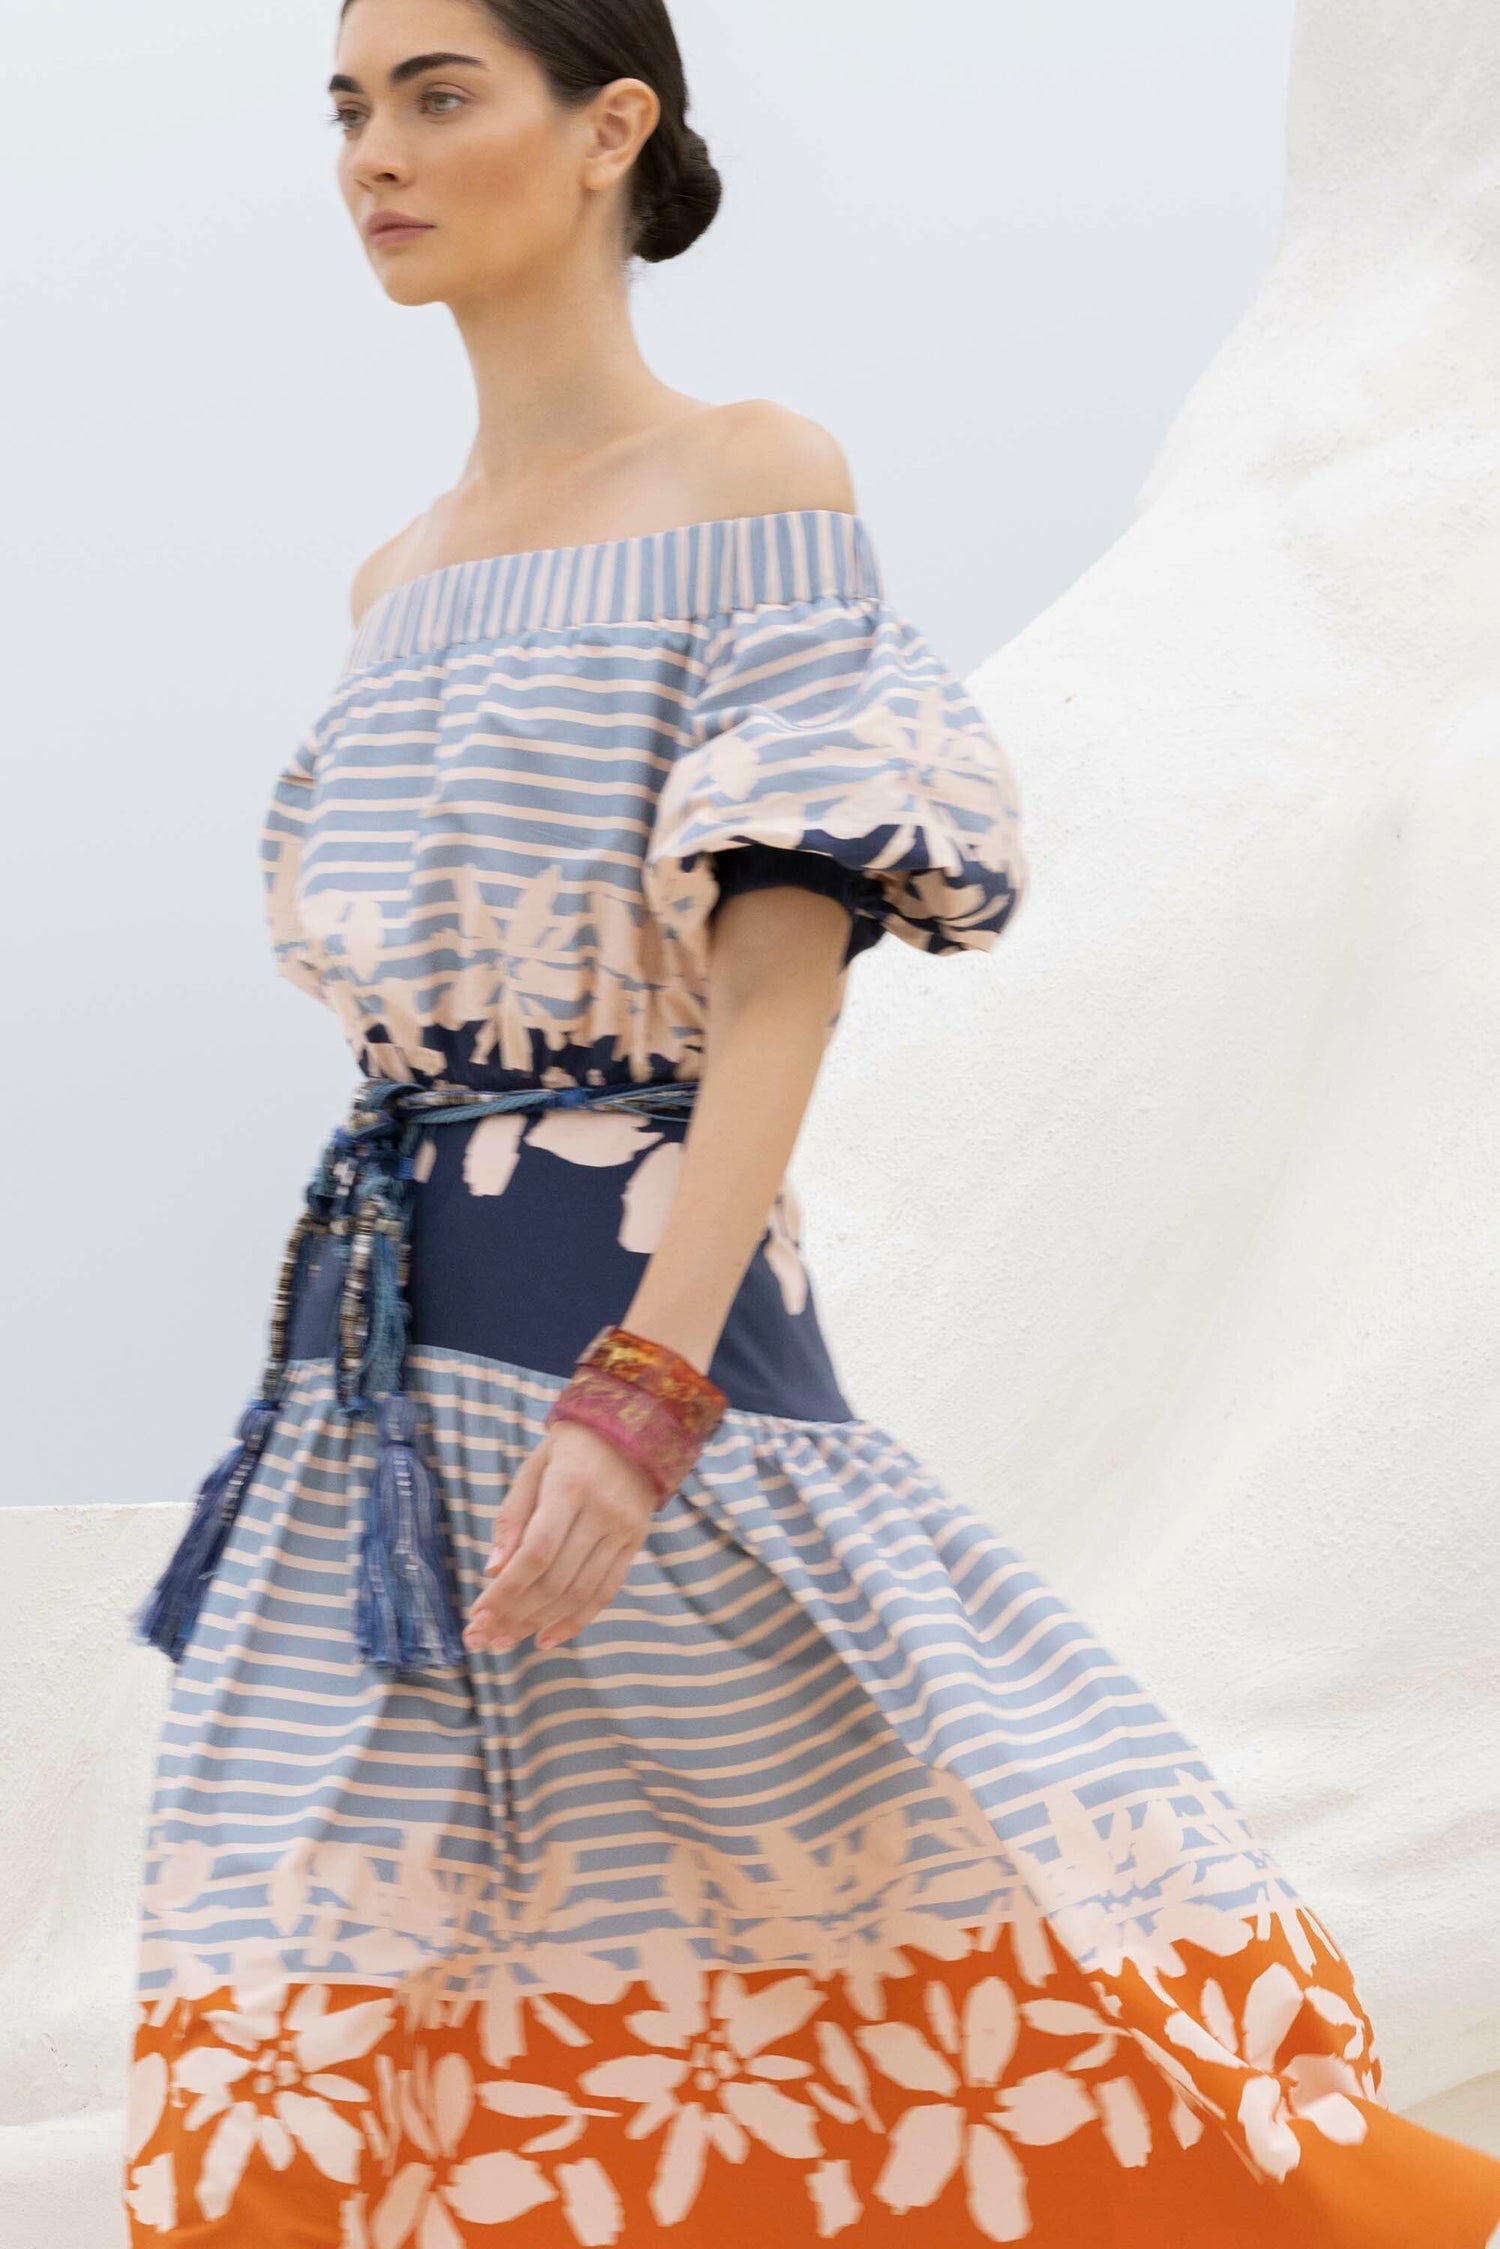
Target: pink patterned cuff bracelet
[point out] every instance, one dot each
(640, 1425)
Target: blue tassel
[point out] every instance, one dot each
(167, 1617)
(405, 1614)
(385, 1347)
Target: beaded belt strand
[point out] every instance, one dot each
(360, 1196)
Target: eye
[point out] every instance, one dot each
(347, 117)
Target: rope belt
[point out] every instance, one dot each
(406, 1614)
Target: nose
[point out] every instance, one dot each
(379, 157)
(382, 172)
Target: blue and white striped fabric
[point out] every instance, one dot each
(833, 1726)
(815, 1637)
(492, 853)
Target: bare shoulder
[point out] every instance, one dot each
(382, 569)
(761, 458)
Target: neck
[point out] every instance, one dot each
(558, 378)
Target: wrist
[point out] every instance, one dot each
(692, 1335)
(647, 1398)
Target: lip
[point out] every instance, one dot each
(394, 226)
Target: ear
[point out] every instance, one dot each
(622, 117)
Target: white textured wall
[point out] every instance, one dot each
(1185, 1265)
(1201, 1299)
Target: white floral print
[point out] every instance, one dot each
(833, 728)
(973, 2121)
(274, 2082)
(1316, 2086)
(717, 2080)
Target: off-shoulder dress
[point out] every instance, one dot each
(835, 1880)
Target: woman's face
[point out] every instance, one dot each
(502, 177)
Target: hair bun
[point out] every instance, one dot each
(685, 194)
(674, 188)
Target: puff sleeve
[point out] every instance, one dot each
(284, 831)
(831, 728)
(764, 866)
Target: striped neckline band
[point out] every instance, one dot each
(695, 570)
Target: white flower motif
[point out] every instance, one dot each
(648, 1197)
(430, 1912)
(272, 2084)
(181, 1871)
(834, 2199)
(145, 2101)
(431, 2199)
(719, 2087)
(521, 965)
(1131, 1893)
(1312, 2086)
(591, 2203)
(971, 2122)
(784, 1248)
(857, 1911)
(491, 1153)
(152, 2192)
(1123, 2115)
(152, 2195)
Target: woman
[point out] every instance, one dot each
(609, 1787)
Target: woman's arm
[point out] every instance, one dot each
(773, 971)
(578, 1511)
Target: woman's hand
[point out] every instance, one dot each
(566, 1534)
(578, 1512)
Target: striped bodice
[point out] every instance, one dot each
(492, 852)
(697, 571)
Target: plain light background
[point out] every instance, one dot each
(990, 246)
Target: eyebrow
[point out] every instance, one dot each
(413, 67)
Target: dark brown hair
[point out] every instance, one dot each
(582, 45)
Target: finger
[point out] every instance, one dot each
(601, 1593)
(513, 1611)
(513, 1522)
(605, 1519)
(572, 1599)
(551, 1520)
(605, 1595)
(515, 1510)
(590, 1593)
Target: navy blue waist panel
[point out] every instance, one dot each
(529, 1233)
